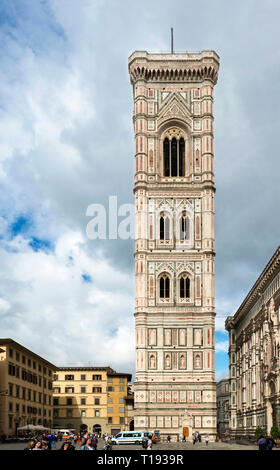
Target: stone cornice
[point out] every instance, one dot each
(184, 67)
(260, 285)
(171, 187)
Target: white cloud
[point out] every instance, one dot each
(66, 141)
(63, 318)
(221, 347)
(4, 306)
(221, 374)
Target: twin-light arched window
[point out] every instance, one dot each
(164, 227)
(184, 227)
(164, 286)
(184, 286)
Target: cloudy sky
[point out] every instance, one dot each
(66, 141)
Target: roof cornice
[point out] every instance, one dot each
(260, 285)
(183, 67)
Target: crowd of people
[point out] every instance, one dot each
(84, 441)
(197, 438)
(89, 441)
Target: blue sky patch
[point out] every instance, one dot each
(41, 245)
(86, 277)
(21, 225)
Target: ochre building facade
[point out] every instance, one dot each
(25, 388)
(90, 399)
(175, 389)
(254, 355)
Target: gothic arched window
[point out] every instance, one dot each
(164, 227)
(184, 227)
(164, 286)
(166, 157)
(181, 157)
(174, 156)
(184, 286)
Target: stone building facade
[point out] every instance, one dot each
(25, 388)
(254, 352)
(175, 389)
(223, 400)
(90, 398)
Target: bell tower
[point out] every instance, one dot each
(175, 389)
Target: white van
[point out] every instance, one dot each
(131, 437)
(65, 432)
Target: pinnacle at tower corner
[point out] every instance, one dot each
(175, 389)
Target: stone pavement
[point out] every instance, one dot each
(173, 446)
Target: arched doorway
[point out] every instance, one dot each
(131, 425)
(97, 429)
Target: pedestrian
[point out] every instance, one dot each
(87, 445)
(30, 445)
(67, 446)
(52, 440)
(168, 438)
(199, 437)
(94, 442)
(184, 438)
(206, 439)
(109, 443)
(262, 443)
(46, 445)
(149, 444)
(144, 442)
(194, 438)
(270, 443)
(38, 446)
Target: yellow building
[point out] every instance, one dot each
(117, 389)
(25, 388)
(89, 398)
(129, 408)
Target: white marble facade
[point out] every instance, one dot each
(254, 355)
(175, 388)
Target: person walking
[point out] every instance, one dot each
(109, 443)
(53, 442)
(262, 443)
(270, 443)
(94, 442)
(206, 439)
(144, 442)
(168, 438)
(149, 444)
